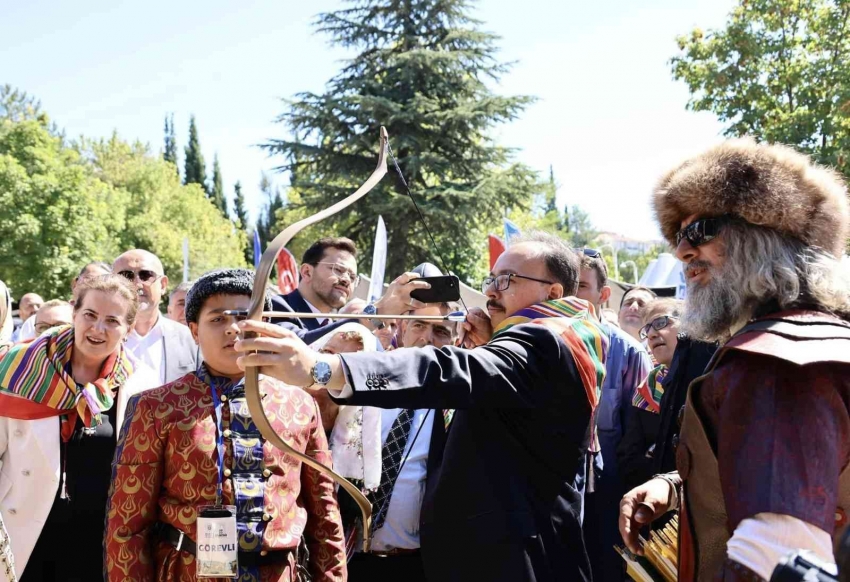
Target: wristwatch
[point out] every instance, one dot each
(321, 373)
(372, 310)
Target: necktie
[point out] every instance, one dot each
(391, 454)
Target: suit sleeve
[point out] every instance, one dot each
(323, 531)
(132, 508)
(522, 368)
(783, 438)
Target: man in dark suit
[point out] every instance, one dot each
(505, 502)
(328, 280)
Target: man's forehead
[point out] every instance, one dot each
(338, 255)
(686, 221)
(53, 312)
(138, 260)
(521, 256)
(640, 295)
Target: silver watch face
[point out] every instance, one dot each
(322, 373)
(370, 309)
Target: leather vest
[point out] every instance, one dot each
(797, 337)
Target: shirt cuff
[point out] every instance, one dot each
(347, 391)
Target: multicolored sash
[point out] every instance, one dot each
(35, 381)
(575, 321)
(649, 393)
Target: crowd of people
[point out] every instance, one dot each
(521, 444)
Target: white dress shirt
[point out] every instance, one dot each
(150, 348)
(401, 524)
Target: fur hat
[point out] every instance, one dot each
(219, 282)
(766, 185)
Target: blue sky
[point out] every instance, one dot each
(609, 118)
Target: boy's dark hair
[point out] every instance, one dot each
(219, 282)
(316, 252)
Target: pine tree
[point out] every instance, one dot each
(216, 189)
(170, 152)
(423, 70)
(239, 206)
(267, 223)
(195, 167)
(242, 221)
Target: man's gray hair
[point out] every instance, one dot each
(561, 260)
(763, 270)
(184, 286)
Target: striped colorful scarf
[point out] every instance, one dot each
(35, 383)
(575, 321)
(649, 393)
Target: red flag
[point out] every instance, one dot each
(287, 272)
(497, 247)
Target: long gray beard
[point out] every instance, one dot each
(711, 310)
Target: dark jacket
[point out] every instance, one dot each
(503, 502)
(308, 330)
(689, 362)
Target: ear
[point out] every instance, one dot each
(306, 271)
(193, 327)
(556, 291)
(164, 283)
(604, 295)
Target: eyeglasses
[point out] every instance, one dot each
(657, 324)
(144, 275)
(340, 271)
(592, 253)
(42, 327)
(701, 231)
(502, 282)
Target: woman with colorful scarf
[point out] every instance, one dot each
(660, 330)
(58, 419)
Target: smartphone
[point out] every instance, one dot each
(443, 289)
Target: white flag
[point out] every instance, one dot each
(379, 261)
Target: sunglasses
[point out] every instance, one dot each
(701, 231)
(592, 253)
(657, 324)
(144, 275)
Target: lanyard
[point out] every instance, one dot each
(219, 440)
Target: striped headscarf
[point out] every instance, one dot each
(648, 394)
(35, 383)
(575, 321)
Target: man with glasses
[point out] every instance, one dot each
(164, 345)
(328, 280)
(626, 367)
(504, 502)
(52, 314)
(764, 447)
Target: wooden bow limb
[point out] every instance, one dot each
(297, 315)
(255, 312)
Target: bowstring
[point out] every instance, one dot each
(421, 217)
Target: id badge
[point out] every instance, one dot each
(217, 545)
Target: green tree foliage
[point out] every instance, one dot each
(161, 212)
(16, 105)
(218, 196)
(779, 70)
(65, 206)
(57, 215)
(195, 169)
(422, 70)
(169, 153)
(242, 221)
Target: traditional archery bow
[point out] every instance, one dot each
(261, 277)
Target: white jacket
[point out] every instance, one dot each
(29, 468)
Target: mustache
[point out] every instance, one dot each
(697, 265)
(494, 304)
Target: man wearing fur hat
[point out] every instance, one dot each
(765, 439)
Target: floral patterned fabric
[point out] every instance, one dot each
(166, 466)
